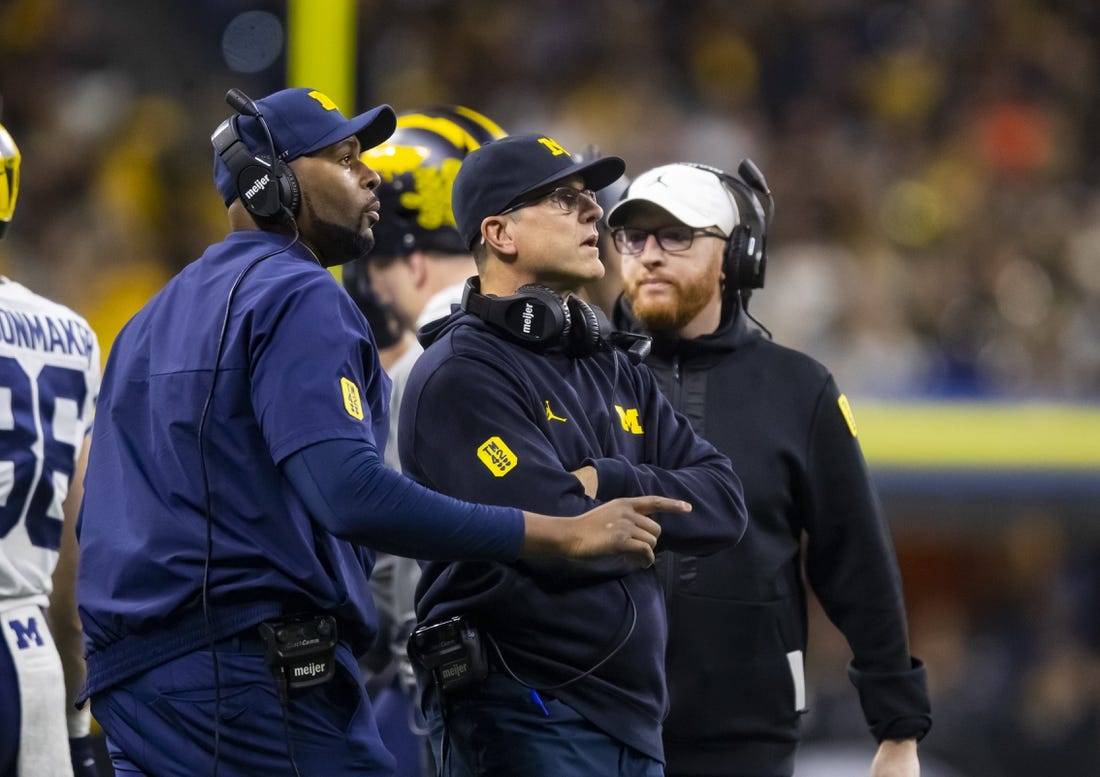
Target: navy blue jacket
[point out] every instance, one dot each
(737, 618)
(484, 418)
(297, 372)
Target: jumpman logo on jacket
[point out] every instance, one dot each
(550, 414)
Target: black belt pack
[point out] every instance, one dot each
(300, 649)
(454, 652)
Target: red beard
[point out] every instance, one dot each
(685, 300)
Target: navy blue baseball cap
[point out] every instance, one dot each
(502, 173)
(302, 121)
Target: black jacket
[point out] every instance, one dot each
(488, 420)
(737, 619)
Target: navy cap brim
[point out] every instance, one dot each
(372, 128)
(596, 175)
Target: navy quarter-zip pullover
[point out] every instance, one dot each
(487, 419)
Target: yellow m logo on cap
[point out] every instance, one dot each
(325, 101)
(554, 146)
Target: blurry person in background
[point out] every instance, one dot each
(49, 379)
(415, 273)
(692, 240)
(604, 291)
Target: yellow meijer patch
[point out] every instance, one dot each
(352, 403)
(553, 145)
(326, 102)
(629, 420)
(497, 457)
(846, 411)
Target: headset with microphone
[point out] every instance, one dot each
(745, 259)
(267, 187)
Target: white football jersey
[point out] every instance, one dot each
(49, 380)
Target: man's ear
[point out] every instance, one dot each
(418, 268)
(497, 232)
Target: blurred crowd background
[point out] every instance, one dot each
(937, 237)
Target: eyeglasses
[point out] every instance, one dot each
(565, 197)
(672, 239)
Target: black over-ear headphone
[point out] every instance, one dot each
(745, 258)
(538, 317)
(267, 187)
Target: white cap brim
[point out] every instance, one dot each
(692, 195)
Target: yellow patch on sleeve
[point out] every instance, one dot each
(352, 403)
(846, 411)
(497, 457)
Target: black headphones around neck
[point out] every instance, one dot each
(538, 317)
(745, 258)
(266, 185)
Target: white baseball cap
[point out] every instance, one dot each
(693, 195)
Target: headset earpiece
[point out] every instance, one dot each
(268, 191)
(534, 316)
(290, 194)
(586, 336)
(745, 259)
(739, 266)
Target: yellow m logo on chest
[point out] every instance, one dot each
(628, 417)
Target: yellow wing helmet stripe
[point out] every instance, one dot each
(428, 194)
(390, 159)
(430, 197)
(481, 120)
(454, 133)
(445, 128)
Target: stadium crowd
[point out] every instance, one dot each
(931, 161)
(937, 233)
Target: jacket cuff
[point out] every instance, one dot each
(613, 477)
(895, 704)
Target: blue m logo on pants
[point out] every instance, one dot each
(25, 634)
